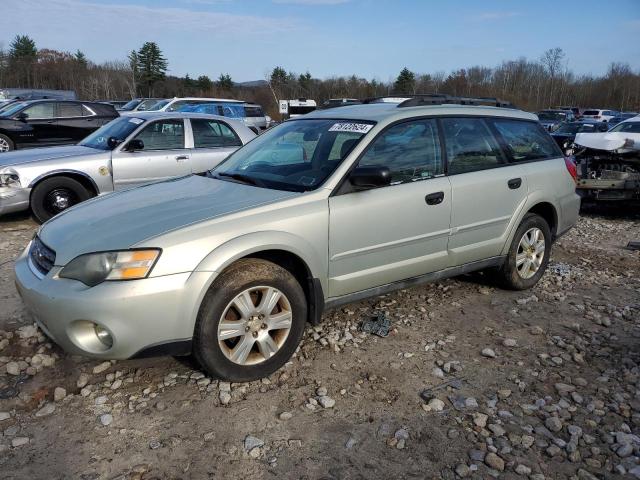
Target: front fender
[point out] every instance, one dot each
(227, 253)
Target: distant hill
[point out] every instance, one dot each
(252, 84)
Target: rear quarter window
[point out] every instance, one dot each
(526, 141)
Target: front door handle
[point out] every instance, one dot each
(434, 198)
(514, 183)
(182, 158)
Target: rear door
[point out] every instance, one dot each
(213, 141)
(387, 234)
(487, 190)
(164, 155)
(71, 122)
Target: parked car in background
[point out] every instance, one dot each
(609, 163)
(601, 115)
(127, 152)
(621, 117)
(300, 106)
(577, 111)
(566, 133)
(175, 104)
(552, 119)
(250, 114)
(40, 123)
(139, 104)
(7, 94)
(340, 102)
(315, 213)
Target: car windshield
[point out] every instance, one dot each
(131, 104)
(552, 116)
(13, 108)
(158, 105)
(119, 129)
(571, 128)
(297, 155)
(147, 104)
(627, 127)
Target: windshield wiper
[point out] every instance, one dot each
(241, 177)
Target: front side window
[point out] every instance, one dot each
(410, 150)
(211, 134)
(158, 106)
(163, 135)
(526, 140)
(66, 110)
(118, 129)
(470, 145)
(297, 155)
(41, 110)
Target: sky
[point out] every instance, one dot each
(369, 38)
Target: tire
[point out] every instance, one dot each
(6, 144)
(514, 274)
(56, 194)
(220, 357)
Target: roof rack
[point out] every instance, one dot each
(418, 100)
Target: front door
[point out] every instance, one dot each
(392, 233)
(163, 156)
(213, 141)
(41, 117)
(487, 190)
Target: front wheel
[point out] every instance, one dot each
(6, 144)
(528, 254)
(250, 321)
(54, 195)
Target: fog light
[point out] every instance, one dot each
(104, 336)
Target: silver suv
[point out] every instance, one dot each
(320, 211)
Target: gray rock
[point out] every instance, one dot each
(225, 397)
(59, 394)
(83, 380)
(101, 368)
(510, 342)
(494, 461)
(48, 409)
(350, 443)
(4, 416)
(523, 470)
(285, 416)
(13, 368)
(321, 391)
(251, 442)
(463, 470)
(488, 352)
(19, 441)
(326, 402)
(554, 424)
(106, 419)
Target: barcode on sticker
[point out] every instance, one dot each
(351, 127)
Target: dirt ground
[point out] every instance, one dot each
(473, 382)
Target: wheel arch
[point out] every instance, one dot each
(84, 179)
(284, 249)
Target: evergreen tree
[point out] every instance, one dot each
(80, 57)
(304, 80)
(204, 83)
(406, 82)
(23, 48)
(225, 82)
(152, 66)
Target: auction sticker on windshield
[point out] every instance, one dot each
(351, 127)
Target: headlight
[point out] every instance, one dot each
(9, 179)
(94, 268)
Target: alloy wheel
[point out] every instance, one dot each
(530, 255)
(4, 145)
(255, 325)
(59, 199)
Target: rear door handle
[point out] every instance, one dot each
(182, 158)
(514, 183)
(434, 198)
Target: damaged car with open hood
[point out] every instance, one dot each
(609, 163)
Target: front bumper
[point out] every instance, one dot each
(138, 314)
(14, 199)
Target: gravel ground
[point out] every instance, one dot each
(472, 382)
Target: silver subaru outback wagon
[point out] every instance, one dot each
(327, 209)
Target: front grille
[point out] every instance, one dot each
(42, 257)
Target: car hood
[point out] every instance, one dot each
(621, 142)
(124, 219)
(21, 157)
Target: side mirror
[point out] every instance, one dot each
(135, 144)
(112, 142)
(603, 128)
(370, 177)
(22, 116)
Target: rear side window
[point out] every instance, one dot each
(66, 110)
(212, 134)
(470, 145)
(526, 141)
(410, 150)
(253, 111)
(591, 112)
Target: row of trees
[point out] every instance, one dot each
(530, 84)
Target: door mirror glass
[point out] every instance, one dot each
(370, 177)
(135, 144)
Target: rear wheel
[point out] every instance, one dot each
(250, 322)
(54, 195)
(528, 254)
(6, 144)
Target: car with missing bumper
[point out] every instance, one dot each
(320, 211)
(128, 152)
